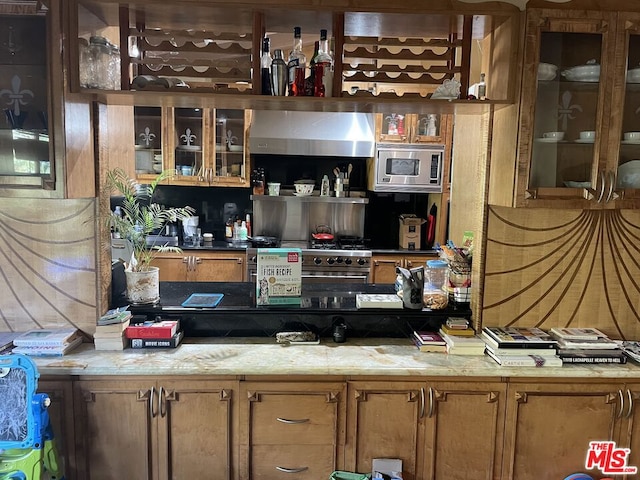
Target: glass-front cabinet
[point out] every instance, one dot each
(201, 146)
(580, 123)
(412, 128)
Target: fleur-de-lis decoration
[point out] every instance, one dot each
(187, 137)
(147, 136)
(565, 110)
(230, 138)
(16, 97)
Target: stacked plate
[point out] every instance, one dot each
(629, 174)
(590, 72)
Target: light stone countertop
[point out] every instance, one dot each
(262, 357)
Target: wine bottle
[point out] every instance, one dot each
(265, 67)
(323, 68)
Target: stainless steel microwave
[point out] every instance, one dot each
(412, 168)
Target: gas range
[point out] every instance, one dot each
(334, 261)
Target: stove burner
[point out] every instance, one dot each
(323, 244)
(352, 242)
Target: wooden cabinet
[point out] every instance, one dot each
(630, 419)
(291, 429)
(153, 429)
(204, 146)
(61, 415)
(201, 266)
(413, 128)
(577, 106)
(557, 421)
(383, 266)
(429, 426)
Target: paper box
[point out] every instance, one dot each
(279, 276)
(410, 227)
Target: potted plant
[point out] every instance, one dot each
(141, 217)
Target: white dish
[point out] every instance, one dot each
(571, 184)
(549, 140)
(547, 71)
(590, 72)
(236, 148)
(629, 174)
(302, 194)
(189, 148)
(585, 140)
(631, 142)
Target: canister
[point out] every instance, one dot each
(436, 276)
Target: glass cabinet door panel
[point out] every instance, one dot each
(428, 127)
(230, 143)
(566, 110)
(628, 175)
(189, 141)
(148, 140)
(25, 152)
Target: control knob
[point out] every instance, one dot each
(361, 261)
(317, 260)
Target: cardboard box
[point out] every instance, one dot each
(410, 227)
(279, 276)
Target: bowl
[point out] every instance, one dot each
(547, 71)
(235, 148)
(629, 174)
(304, 188)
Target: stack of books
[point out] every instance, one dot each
(587, 345)
(429, 341)
(463, 345)
(631, 348)
(110, 330)
(159, 334)
(458, 326)
(47, 342)
(521, 347)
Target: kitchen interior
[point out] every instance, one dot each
(548, 251)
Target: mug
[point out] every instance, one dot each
(273, 189)
(554, 135)
(186, 170)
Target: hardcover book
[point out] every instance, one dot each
(117, 328)
(600, 344)
(545, 352)
(49, 350)
(520, 337)
(115, 316)
(615, 359)
(460, 332)
(525, 360)
(429, 338)
(577, 333)
(46, 337)
(379, 300)
(425, 347)
(161, 329)
(172, 342)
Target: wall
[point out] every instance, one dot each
(47, 264)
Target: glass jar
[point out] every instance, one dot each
(114, 68)
(436, 277)
(85, 63)
(99, 54)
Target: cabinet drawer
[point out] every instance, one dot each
(299, 462)
(302, 419)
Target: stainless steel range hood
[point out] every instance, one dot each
(336, 134)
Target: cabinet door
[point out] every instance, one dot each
(623, 166)
(431, 128)
(413, 261)
(291, 429)
(217, 267)
(194, 429)
(61, 416)
(191, 131)
(563, 135)
(230, 140)
(383, 268)
(173, 267)
(393, 127)
(149, 124)
(464, 430)
(384, 422)
(556, 422)
(115, 429)
(630, 423)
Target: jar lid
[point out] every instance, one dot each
(98, 40)
(437, 264)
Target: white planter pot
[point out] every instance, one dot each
(143, 287)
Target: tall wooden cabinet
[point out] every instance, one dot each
(154, 429)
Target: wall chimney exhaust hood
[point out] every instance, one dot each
(335, 134)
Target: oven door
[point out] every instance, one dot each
(411, 168)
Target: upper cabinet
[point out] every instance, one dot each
(154, 53)
(413, 128)
(579, 124)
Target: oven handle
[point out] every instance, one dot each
(252, 275)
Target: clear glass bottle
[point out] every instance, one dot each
(265, 66)
(323, 68)
(297, 65)
(482, 88)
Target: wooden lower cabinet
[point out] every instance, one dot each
(550, 426)
(630, 423)
(291, 429)
(201, 266)
(383, 266)
(440, 430)
(153, 428)
(61, 417)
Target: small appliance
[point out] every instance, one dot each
(409, 168)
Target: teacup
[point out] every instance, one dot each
(633, 136)
(554, 135)
(587, 135)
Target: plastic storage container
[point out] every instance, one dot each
(436, 278)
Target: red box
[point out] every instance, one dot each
(150, 330)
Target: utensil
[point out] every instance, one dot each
(336, 172)
(349, 170)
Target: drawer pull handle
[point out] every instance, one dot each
(286, 420)
(292, 470)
